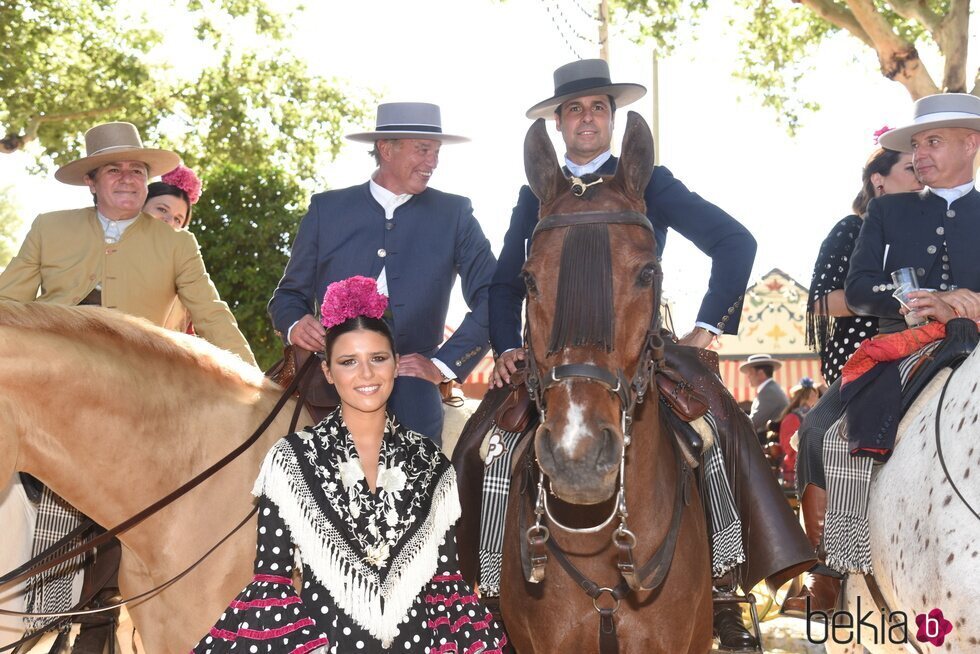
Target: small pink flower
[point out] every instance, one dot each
(881, 131)
(186, 180)
(349, 298)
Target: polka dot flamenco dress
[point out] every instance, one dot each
(398, 592)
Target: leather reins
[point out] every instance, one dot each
(536, 540)
(62, 617)
(40, 563)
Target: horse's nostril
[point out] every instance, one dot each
(608, 453)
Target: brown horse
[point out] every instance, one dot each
(113, 414)
(593, 281)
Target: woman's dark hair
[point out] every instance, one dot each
(162, 188)
(881, 162)
(353, 324)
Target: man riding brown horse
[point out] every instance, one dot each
(583, 106)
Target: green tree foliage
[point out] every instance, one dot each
(63, 64)
(245, 222)
(10, 222)
(779, 36)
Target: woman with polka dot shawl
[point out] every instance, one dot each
(367, 509)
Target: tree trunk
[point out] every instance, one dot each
(904, 66)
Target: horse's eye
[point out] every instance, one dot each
(532, 287)
(646, 276)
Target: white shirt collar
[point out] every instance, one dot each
(114, 229)
(762, 385)
(952, 194)
(588, 168)
(389, 201)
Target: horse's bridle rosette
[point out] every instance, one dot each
(350, 298)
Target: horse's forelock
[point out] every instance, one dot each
(584, 281)
(134, 335)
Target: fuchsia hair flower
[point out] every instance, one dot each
(349, 298)
(186, 180)
(881, 131)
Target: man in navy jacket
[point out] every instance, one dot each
(414, 240)
(583, 106)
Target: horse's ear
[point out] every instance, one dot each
(541, 163)
(636, 161)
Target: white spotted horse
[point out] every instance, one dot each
(924, 515)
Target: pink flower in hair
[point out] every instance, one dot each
(881, 131)
(349, 298)
(186, 180)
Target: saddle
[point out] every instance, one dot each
(319, 395)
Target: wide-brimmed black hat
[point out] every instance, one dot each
(407, 120)
(585, 77)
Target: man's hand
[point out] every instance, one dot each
(965, 303)
(416, 365)
(697, 337)
(308, 334)
(505, 366)
(929, 305)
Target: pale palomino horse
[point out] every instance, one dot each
(925, 543)
(113, 414)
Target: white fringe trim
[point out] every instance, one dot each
(353, 584)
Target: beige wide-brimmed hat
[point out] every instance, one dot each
(933, 112)
(115, 142)
(407, 120)
(585, 77)
(760, 360)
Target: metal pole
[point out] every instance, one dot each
(604, 30)
(655, 115)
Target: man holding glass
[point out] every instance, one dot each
(927, 241)
(935, 232)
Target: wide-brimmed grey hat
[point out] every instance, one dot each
(407, 120)
(933, 112)
(113, 142)
(585, 77)
(760, 360)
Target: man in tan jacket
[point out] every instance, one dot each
(115, 256)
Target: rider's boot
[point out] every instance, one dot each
(821, 591)
(730, 629)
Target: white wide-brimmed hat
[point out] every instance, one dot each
(407, 120)
(760, 360)
(115, 142)
(585, 77)
(932, 112)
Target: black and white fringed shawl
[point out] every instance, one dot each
(373, 552)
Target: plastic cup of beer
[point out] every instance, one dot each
(906, 281)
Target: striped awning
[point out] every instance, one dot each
(789, 374)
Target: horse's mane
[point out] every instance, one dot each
(137, 335)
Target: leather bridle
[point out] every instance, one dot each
(536, 541)
(629, 393)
